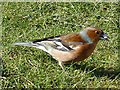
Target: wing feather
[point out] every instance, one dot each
(64, 43)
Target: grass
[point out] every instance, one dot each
(25, 67)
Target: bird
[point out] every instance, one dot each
(67, 48)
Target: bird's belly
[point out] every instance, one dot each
(81, 54)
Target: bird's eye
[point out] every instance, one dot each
(97, 32)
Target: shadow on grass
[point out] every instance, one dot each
(99, 72)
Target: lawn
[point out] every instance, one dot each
(25, 67)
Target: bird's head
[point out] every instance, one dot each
(93, 35)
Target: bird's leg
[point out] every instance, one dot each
(61, 65)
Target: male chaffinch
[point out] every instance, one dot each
(71, 47)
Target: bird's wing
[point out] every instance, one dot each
(64, 43)
(52, 42)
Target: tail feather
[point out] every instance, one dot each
(24, 44)
(31, 44)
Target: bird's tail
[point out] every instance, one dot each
(24, 44)
(31, 44)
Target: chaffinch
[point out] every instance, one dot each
(71, 47)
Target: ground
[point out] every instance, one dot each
(29, 67)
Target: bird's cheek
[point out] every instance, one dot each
(95, 40)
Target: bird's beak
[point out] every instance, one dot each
(104, 36)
